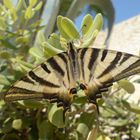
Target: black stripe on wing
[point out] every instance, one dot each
(63, 57)
(72, 54)
(27, 79)
(14, 90)
(129, 71)
(45, 68)
(56, 66)
(132, 66)
(104, 54)
(93, 58)
(126, 74)
(125, 58)
(112, 65)
(16, 93)
(42, 81)
(82, 54)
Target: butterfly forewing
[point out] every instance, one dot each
(120, 64)
(100, 68)
(50, 80)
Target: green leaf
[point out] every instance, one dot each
(127, 86)
(8, 4)
(22, 40)
(32, 3)
(33, 104)
(100, 102)
(54, 40)
(96, 25)
(97, 22)
(119, 122)
(87, 118)
(132, 107)
(19, 5)
(22, 64)
(3, 66)
(38, 7)
(60, 28)
(4, 80)
(2, 24)
(86, 23)
(69, 28)
(7, 44)
(89, 40)
(13, 13)
(36, 24)
(108, 113)
(80, 100)
(5, 55)
(17, 124)
(7, 125)
(56, 116)
(45, 130)
(50, 50)
(92, 29)
(136, 134)
(37, 53)
(41, 38)
(29, 13)
(1, 103)
(83, 129)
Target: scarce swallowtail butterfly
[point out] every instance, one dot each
(92, 70)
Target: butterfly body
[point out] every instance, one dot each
(58, 78)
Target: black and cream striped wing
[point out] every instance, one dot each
(51, 80)
(100, 68)
(118, 65)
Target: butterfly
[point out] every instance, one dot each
(57, 79)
